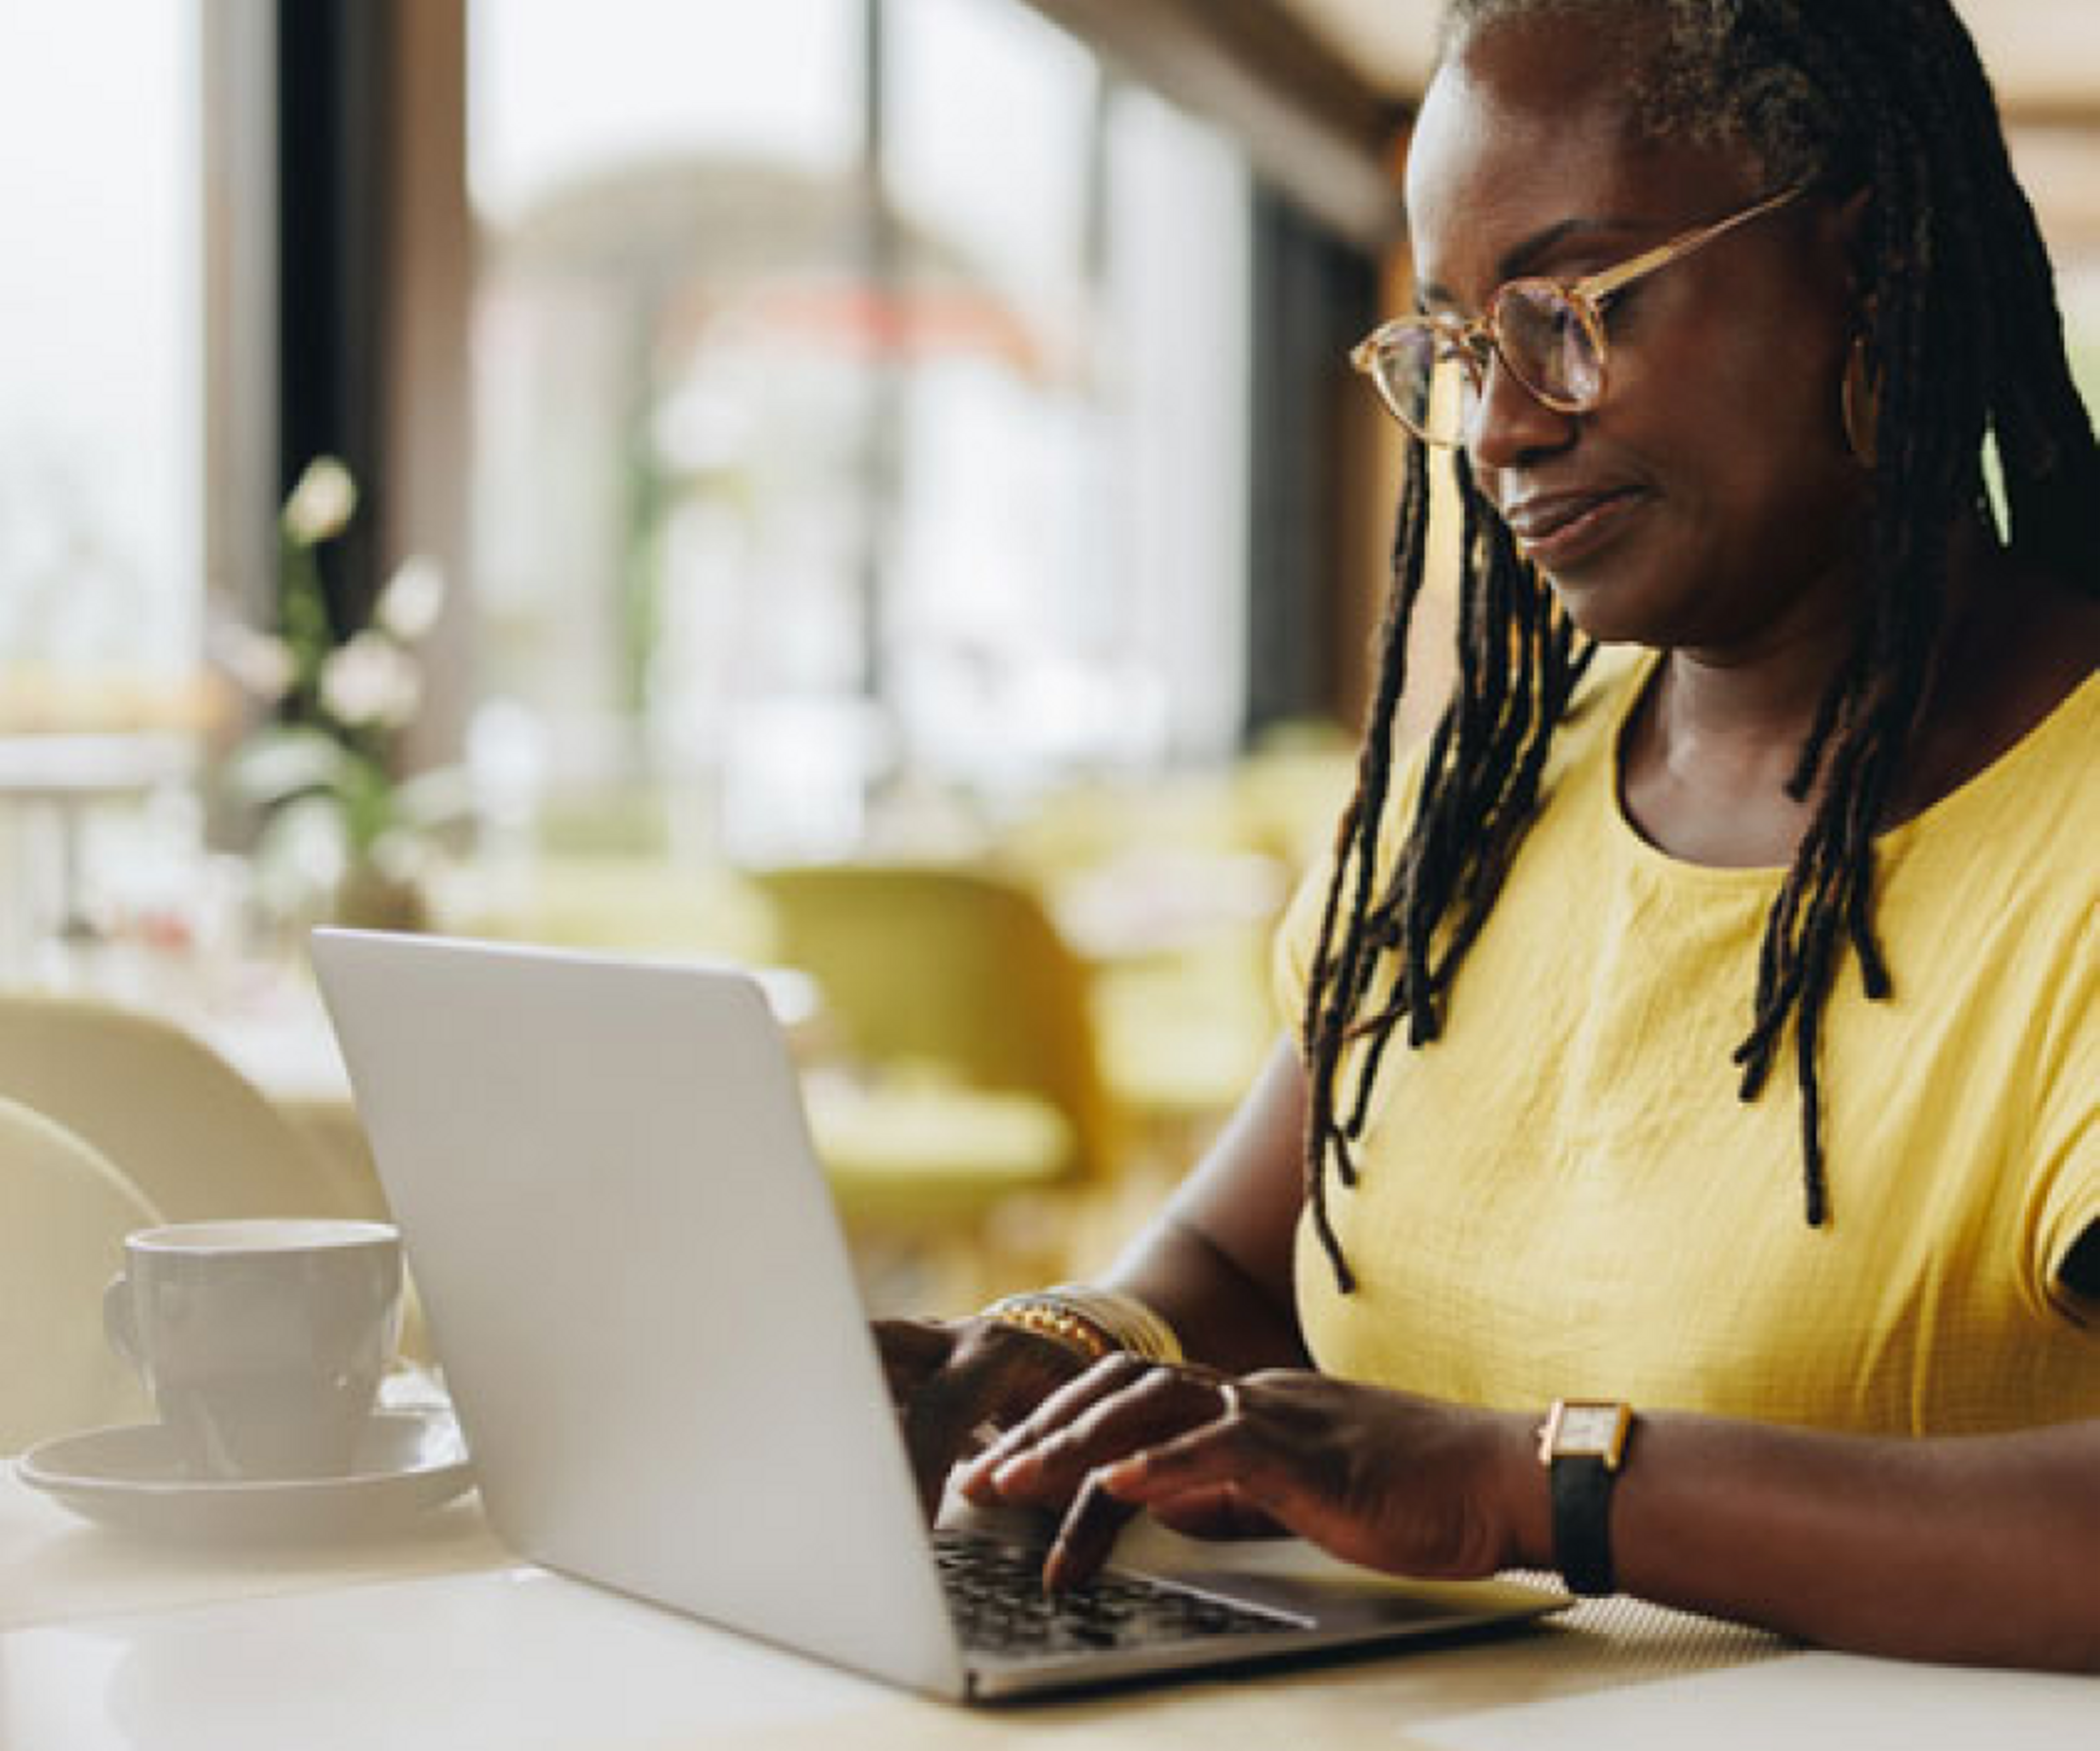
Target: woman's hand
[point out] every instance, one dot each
(1378, 1478)
(951, 1379)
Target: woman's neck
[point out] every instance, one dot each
(1709, 753)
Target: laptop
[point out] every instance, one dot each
(650, 1324)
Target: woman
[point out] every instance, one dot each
(1707, 1024)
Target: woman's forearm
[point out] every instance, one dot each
(1216, 1261)
(1221, 1314)
(1981, 1549)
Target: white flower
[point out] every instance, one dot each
(322, 504)
(414, 596)
(262, 666)
(371, 680)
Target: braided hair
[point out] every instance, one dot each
(1961, 335)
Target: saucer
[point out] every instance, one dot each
(130, 1478)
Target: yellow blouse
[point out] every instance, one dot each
(1563, 1194)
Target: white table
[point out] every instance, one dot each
(65, 776)
(440, 1640)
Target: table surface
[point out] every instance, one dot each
(439, 1637)
(69, 767)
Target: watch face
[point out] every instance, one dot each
(1589, 1429)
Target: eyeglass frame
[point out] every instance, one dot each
(1477, 342)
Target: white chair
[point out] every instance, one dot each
(187, 1129)
(63, 1213)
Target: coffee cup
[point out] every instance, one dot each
(260, 1342)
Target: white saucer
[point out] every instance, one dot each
(129, 1478)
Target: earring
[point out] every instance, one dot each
(1859, 401)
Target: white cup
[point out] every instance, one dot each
(261, 1343)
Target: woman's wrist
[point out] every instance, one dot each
(1523, 1493)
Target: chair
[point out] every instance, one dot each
(186, 1127)
(951, 988)
(63, 1213)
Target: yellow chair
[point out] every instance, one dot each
(967, 1022)
(1290, 791)
(63, 1213)
(186, 1127)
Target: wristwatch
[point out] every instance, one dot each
(1583, 1446)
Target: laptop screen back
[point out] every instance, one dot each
(637, 1288)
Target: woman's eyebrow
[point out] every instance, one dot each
(1521, 258)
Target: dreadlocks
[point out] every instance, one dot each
(1963, 338)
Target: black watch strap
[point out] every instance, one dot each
(1582, 1485)
(1583, 1446)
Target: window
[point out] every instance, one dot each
(102, 426)
(788, 498)
(1070, 583)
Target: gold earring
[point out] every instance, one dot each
(1859, 401)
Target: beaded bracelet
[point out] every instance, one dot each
(1040, 1314)
(1090, 1322)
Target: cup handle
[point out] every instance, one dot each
(118, 1323)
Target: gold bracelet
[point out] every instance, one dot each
(1139, 1327)
(1090, 1322)
(1047, 1318)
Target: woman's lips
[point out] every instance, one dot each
(1563, 527)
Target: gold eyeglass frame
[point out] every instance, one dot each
(1477, 343)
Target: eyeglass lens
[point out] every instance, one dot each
(1432, 381)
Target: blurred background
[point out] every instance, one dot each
(870, 487)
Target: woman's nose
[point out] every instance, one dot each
(1505, 424)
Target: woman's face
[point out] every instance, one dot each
(1710, 502)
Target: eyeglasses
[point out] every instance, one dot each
(1432, 371)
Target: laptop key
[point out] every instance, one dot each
(996, 1595)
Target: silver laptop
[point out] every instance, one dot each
(649, 1323)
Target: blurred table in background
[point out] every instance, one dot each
(1167, 890)
(51, 782)
(265, 1017)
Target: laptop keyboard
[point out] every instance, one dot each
(995, 1593)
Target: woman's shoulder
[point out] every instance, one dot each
(2027, 824)
(2030, 707)
(2057, 656)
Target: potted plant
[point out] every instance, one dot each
(342, 832)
